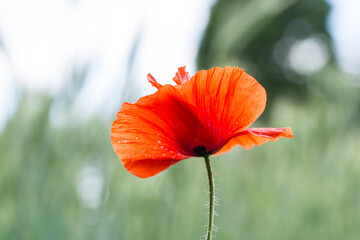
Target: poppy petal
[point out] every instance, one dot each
(148, 168)
(256, 136)
(182, 76)
(153, 81)
(158, 129)
(230, 98)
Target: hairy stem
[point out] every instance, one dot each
(212, 198)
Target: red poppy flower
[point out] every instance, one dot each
(206, 114)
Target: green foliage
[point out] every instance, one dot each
(257, 35)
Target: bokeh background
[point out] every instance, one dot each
(66, 66)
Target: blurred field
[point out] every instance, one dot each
(304, 188)
(60, 179)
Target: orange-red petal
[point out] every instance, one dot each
(147, 168)
(182, 76)
(230, 99)
(153, 81)
(256, 136)
(158, 129)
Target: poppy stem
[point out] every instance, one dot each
(212, 198)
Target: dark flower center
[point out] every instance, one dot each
(200, 151)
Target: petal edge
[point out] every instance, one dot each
(182, 76)
(148, 168)
(250, 137)
(153, 81)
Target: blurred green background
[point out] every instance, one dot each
(63, 181)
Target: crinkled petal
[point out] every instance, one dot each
(182, 76)
(230, 99)
(159, 128)
(153, 81)
(256, 136)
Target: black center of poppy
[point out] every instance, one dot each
(200, 150)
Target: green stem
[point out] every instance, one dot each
(212, 198)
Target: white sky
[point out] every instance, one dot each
(344, 25)
(44, 39)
